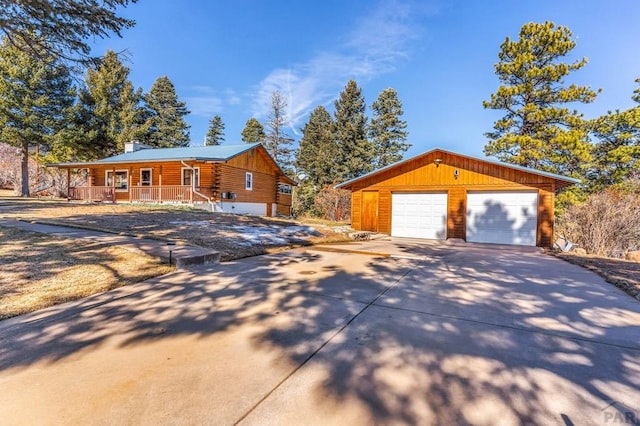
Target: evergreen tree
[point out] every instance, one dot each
(110, 110)
(277, 141)
(387, 129)
(36, 100)
(318, 150)
(215, 135)
(167, 127)
(315, 159)
(356, 152)
(253, 132)
(538, 130)
(66, 25)
(617, 152)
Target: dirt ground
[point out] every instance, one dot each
(624, 274)
(234, 236)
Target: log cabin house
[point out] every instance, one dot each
(441, 194)
(224, 178)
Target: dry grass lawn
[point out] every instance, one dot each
(173, 223)
(41, 270)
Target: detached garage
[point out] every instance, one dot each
(441, 194)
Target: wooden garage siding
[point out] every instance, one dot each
(384, 211)
(456, 213)
(546, 207)
(423, 175)
(356, 210)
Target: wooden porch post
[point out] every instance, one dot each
(160, 184)
(90, 177)
(68, 184)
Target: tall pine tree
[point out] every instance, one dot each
(356, 152)
(318, 151)
(617, 152)
(215, 134)
(387, 130)
(111, 113)
(538, 130)
(253, 132)
(167, 127)
(315, 159)
(36, 101)
(277, 142)
(60, 29)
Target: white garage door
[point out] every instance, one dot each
(419, 215)
(502, 217)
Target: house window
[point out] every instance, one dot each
(191, 177)
(145, 177)
(283, 188)
(121, 177)
(248, 181)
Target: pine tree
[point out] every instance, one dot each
(111, 113)
(253, 132)
(318, 150)
(36, 100)
(277, 142)
(356, 152)
(387, 130)
(167, 127)
(215, 135)
(66, 25)
(538, 130)
(315, 159)
(617, 152)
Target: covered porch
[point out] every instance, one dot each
(138, 194)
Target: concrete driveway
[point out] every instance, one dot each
(397, 332)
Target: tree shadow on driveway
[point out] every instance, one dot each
(462, 336)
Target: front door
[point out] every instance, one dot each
(370, 211)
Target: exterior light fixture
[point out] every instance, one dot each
(456, 174)
(170, 246)
(438, 161)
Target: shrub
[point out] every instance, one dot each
(333, 203)
(606, 224)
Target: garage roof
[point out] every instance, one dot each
(561, 181)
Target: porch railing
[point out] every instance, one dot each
(138, 194)
(92, 193)
(162, 194)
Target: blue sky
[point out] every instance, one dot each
(225, 57)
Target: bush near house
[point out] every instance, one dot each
(606, 224)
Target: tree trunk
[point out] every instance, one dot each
(24, 192)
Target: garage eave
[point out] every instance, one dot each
(560, 180)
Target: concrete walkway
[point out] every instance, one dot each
(183, 256)
(400, 332)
